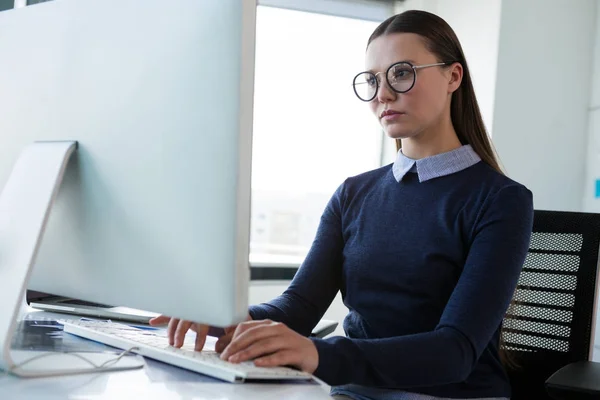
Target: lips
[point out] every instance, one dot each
(387, 113)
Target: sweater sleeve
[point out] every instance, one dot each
(472, 315)
(318, 279)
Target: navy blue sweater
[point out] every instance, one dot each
(427, 271)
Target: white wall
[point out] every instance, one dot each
(542, 97)
(590, 202)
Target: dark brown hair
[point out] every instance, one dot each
(441, 41)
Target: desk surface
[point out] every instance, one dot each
(155, 381)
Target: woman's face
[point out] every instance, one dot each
(426, 103)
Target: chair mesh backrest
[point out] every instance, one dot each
(550, 321)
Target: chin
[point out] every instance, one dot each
(396, 133)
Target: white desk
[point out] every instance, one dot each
(152, 382)
(155, 381)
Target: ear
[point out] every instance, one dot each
(456, 75)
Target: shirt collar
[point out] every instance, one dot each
(436, 166)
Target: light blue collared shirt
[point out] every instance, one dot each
(435, 166)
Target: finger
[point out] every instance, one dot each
(201, 333)
(230, 329)
(160, 320)
(280, 358)
(180, 332)
(171, 330)
(260, 348)
(225, 339)
(245, 326)
(255, 333)
(223, 342)
(239, 331)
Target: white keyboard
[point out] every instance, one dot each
(150, 344)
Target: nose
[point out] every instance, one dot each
(385, 94)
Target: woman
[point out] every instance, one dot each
(426, 251)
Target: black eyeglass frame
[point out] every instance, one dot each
(414, 68)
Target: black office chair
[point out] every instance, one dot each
(549, 326)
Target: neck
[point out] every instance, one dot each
(436, 140)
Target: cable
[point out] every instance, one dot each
(96, 368)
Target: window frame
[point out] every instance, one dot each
(368, 10)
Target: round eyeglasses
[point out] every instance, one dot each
(400, 77)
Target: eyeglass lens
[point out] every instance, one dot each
(400, 77)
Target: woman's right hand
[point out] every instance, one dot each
(177, 329)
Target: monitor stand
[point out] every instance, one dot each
(25, 204)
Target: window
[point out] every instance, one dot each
(10, 4)
(6, 5)
(310, 131)
(32, 2)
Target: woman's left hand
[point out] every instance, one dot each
(271, 344)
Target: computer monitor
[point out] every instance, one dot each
(154, 208)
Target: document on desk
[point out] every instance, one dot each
(47, 335)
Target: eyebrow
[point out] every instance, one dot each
(413, 62)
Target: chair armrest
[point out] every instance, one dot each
(324, 328)
(579, 380)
